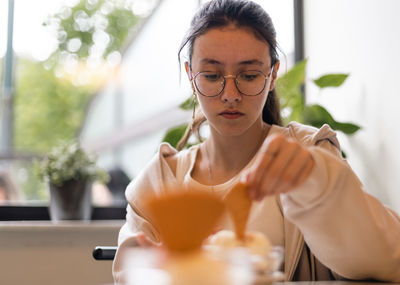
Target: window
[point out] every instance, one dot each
(63, 52)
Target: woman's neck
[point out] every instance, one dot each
(227, 156)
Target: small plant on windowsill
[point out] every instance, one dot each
(293, 105)
(69, 172)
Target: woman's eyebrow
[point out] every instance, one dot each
(210, 61)
(245, 62)
(251, 61)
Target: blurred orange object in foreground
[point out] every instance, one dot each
(184, 218)
(238, 204)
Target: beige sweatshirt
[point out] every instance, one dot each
(330, 227)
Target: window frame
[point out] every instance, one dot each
(41, 213)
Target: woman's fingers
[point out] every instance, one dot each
(277, 173)
(281, 165)
(143, 241)
(264, 159)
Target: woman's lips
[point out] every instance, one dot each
(231, 114)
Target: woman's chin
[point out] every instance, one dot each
(231, 129)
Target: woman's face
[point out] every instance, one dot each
(229, 51)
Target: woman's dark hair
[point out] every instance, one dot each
(242, 13)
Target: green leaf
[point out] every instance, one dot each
(292, 80)
(288, 87)
(347, 128)
(316, 115)
(188, 104)
(174, 134)
(331, 80)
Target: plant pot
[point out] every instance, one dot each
(71, 201)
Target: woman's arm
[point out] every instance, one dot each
(137, 231)
(348, 230)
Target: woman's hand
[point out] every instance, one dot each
(143, 241)
(281, 165)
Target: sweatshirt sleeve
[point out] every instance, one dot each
(347, 229)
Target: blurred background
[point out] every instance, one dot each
(106, 72)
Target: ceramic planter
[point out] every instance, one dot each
(71, 201)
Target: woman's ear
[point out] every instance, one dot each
(274, 75)
(188, 72)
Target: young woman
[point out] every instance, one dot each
(307, 198)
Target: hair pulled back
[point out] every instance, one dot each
(241, 13)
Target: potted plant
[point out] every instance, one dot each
(69, 172)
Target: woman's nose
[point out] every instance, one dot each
(230, 93)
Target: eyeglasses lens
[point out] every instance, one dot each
(250, 83)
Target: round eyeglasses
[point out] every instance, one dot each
(249, 82)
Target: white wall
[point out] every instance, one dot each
(361, 37)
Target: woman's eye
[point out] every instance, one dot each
(212, 76)
(249, 76)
